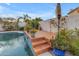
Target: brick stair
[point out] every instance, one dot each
(40, 45)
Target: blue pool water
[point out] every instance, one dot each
(15, 44)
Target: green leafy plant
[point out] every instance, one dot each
(68, 40)
(62, 41)
(74, 47)
(74, 43)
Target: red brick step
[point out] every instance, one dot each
(40, 45)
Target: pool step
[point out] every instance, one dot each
(40, 45)
(42, 48)
(37, 39)
(38, 42)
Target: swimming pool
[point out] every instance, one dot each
(15, 44)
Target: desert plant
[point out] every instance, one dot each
(74, 42)
(74, 47)
(62, 42)
(77, 32)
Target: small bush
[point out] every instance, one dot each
(21, 28)
(68, 40)
(61, 42)
(74, 47)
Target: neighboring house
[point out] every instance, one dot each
(9, 19)
(73, 19)
(1, 29)
(6, 23)
(74, 11)
(1, 24)
(21, 24)
(70, 21)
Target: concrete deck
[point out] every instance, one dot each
(46, 54)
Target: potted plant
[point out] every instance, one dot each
(60, 44)
(33, 31)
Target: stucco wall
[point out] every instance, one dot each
(74, 12)
(46, 26)
(72, 21)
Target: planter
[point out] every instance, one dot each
(58, 52)
(33, 35)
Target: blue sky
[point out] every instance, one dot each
(43, 10)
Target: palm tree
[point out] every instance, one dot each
(38, 19)
(25, 18)
(36, 22)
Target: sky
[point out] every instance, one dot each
(43, 10)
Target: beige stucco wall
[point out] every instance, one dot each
(72, 21)
(46, 26)
(74, 12)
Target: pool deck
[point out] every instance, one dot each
(46, 54)
(49, 54)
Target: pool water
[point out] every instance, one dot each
(15, 44)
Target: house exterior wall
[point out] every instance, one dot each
(74, 12)
(72, 21)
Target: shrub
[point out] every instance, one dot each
(21, 28)
(74, 47)
(68, 40)
(61, 42)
